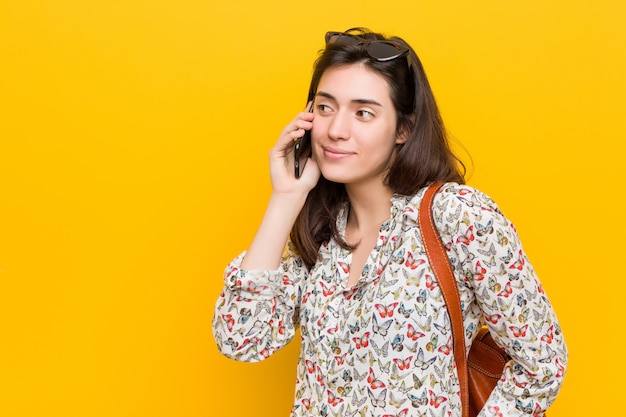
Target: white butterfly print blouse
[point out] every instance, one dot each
(383, 347)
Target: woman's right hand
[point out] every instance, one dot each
(282, 162)
(288, 197)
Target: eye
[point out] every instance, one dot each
(323, 108)
(364, 114)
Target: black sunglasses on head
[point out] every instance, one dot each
(380, 50)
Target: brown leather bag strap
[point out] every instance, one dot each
(440, 263)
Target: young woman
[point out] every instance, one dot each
(339, 255)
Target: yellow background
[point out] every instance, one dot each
(133, 167)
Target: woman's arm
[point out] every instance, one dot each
(256, 312)
(287, 199)
(512, 301)
(269, 242)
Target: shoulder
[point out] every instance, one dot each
(460, 209)
(449, 197)
(467, 216)
(452, 196)
(452, 202)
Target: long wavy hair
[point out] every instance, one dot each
(423, 158)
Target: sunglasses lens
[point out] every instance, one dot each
(337, 37)
(379, 50)
(384, 51)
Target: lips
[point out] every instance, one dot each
(335, 153)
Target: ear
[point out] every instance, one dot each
(401, 140)
(404, 133)
(402, 137)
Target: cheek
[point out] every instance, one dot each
(317, 126)
(317, 131)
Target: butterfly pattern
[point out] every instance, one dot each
(383, 347)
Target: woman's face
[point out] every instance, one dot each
(354, 130)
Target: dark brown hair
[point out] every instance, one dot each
(425, 157)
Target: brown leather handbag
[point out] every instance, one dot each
(480, 371)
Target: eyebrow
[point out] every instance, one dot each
(357, 100)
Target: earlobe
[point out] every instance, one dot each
(405, 129)
(402, 138)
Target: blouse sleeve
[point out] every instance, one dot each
(489, 259)
(256, 313)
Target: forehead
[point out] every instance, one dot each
(355, 82)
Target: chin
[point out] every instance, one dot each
(339, 176)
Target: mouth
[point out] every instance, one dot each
(335, 153)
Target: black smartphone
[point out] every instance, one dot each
(302, 150)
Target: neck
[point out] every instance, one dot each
(369, 207)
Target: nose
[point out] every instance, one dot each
(339, 127)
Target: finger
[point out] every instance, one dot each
(301, 120)
(296, 128)
(293, 131)
(307, 114)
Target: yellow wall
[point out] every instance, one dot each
(133, 143)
